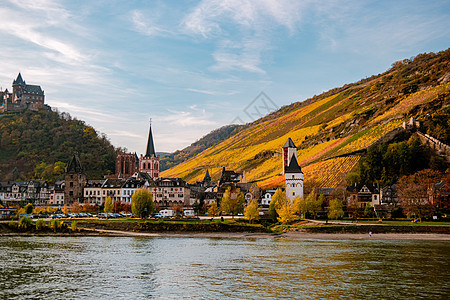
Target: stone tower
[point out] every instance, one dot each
(75, 180)
(149, 163)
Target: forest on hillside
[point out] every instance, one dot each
(38, 145)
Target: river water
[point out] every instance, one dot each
(214, 268)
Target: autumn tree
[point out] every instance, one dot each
(76, 208)
(278, 199)
(416, 193)
(232, 203)
(109, 205)
(213, 210)
(335, 210)
(286, 212)
(251, 211)
(142, 203)
(28, 208)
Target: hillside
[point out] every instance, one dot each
(333, 129)
(37, 145)
(209, 140)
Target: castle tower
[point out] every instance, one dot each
(75, 180)
(289, 150)
(293, 177)
(18, 87)
(149, 163)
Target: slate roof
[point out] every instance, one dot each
(293, 166)
(33, 89)
(74, 165)
(150, 147)
(207, 177)
(289, 144)
(19, 80)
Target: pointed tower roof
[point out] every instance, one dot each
(150, 147)
(293, 166)
(19, 80)
(74, 165)
(289, 144)
(207, 178)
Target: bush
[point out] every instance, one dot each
(73, 226)
(40, 224)
(25, 223)
(12, 224)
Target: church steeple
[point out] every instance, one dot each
(150, 147)
(149, 163)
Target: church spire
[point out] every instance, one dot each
(150, 147)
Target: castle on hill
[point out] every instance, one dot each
(23, 96)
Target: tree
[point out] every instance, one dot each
(335, 211)
(251, 211)
(213, 210)
(417, 192)
(142, 203)
(310, 205)
(28, 208)
(108, 205)
(286, 212)
(76, 208)
(278, 199)
(368, 211)
(232, 204)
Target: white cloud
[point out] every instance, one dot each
(195, 117)
(254, 21)
(145, 25)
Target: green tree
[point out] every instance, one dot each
(336, 209)
(278, 199)
(251, 211)
(368, 211)
(311, 205)
(232, 204)
(142, 203)
(213, 210)
(28, 208)
(109, 205)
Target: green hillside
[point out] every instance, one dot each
(37, 145)
(334, 129)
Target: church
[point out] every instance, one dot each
(130, 165)
(293, 174)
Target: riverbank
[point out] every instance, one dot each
(241, 235)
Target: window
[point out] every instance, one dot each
(71, 184)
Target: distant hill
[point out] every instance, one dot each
(209, 140)
(334, 129)
(38, 144)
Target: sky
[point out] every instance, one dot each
(194, 66)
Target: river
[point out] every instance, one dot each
(51, 267)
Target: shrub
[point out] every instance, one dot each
(73, 226)
(25, 223)
(12, 224)
(40, 224)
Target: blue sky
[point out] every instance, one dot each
(193, 66)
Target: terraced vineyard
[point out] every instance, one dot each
(331, 129)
